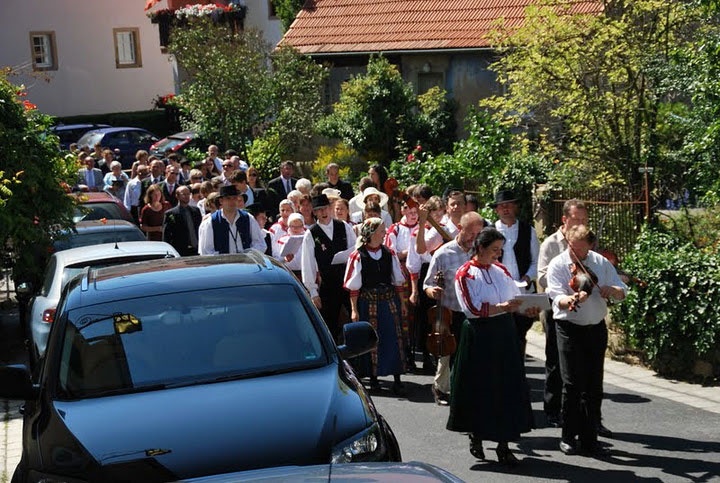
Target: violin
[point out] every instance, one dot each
(441, 341)
(583, 280)
(390, 187)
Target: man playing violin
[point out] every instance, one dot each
(574, 213)
(448, 259)
(581, 334)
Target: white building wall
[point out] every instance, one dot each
(258, 17)
(86, 80)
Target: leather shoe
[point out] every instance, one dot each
(568, 448)
(596, 450)
(603, 431)
(552, 421)
(441, 398)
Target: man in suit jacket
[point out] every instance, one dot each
(89, 178)
(282, 185)
(156, 176)
(181, 224)
(170, 184)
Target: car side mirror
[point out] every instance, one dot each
(16, 383)
(360, 338)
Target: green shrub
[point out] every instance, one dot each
(675, 319)
(352, 167)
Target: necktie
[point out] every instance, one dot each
(288, 187)
(191, 228)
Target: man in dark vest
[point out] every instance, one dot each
(325, 251)
(229, 229)
(520, 253)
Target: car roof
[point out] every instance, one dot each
(183, 135)
(95, 197)
(103, 251)
(172, 275)
(69, 127)
(107, 130)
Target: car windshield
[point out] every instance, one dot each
(189, 338)
(97, 211)
(75, 240)
(90, 139)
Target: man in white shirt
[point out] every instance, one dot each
(213, 153)
(229, 229)
(520, 253)
(325, 251)
(131, 199)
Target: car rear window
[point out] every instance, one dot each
(97, 211)
(71, 270)
(178, 339)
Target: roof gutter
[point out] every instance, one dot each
(400, 52)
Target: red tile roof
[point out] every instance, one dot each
(340, 26)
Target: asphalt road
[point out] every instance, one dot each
(655, 439)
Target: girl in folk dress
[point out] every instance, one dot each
(374, 278)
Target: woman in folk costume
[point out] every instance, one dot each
(489, 398)
(375, 280)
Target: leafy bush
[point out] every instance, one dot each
(674, 319)
(351, 166)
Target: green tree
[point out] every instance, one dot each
(287, 10)
(380, 117)
(238, 90)
(586, 88)
(34, 205)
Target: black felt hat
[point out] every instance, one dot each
(504, 196)
(320, 201)
(230, 190)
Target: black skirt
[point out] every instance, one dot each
(489, 393)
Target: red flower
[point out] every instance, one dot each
(29, 106)
(418, 148)
(410, 158)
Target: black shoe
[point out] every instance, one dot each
(476, 448)
(505, 456)
(374, 386)
(441, 398)
(603, 431)
(429, 365)
(552, 421)
(398, 388)
(568, 448)
(595, 450)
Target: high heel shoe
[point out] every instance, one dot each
(505, 456)
(476, 448)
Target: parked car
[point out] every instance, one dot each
(178, 142)
(125, 141)
(414, 471)
(63, 265)
(99, 205)
(193, 366)
(71, 133)
(96, 232)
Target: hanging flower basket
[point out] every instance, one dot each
(232, 14)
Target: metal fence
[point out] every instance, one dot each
(616, 215)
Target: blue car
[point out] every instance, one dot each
(125, 141)
(70, 133)
(181, 368)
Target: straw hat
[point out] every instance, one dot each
(372, 191)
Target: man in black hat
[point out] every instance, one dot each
(325, 251)
(520, 252)
(229, 229)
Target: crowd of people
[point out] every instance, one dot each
(392, 260)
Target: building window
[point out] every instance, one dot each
(271, 9)
(127, 48)
(44, 51)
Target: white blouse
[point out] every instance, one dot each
(480, 286)
(353, 271)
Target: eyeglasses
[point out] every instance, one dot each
(227, 165)
(252, 175)
(195, 177)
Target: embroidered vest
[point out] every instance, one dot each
(376, 272)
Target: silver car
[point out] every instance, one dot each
(65, 264)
